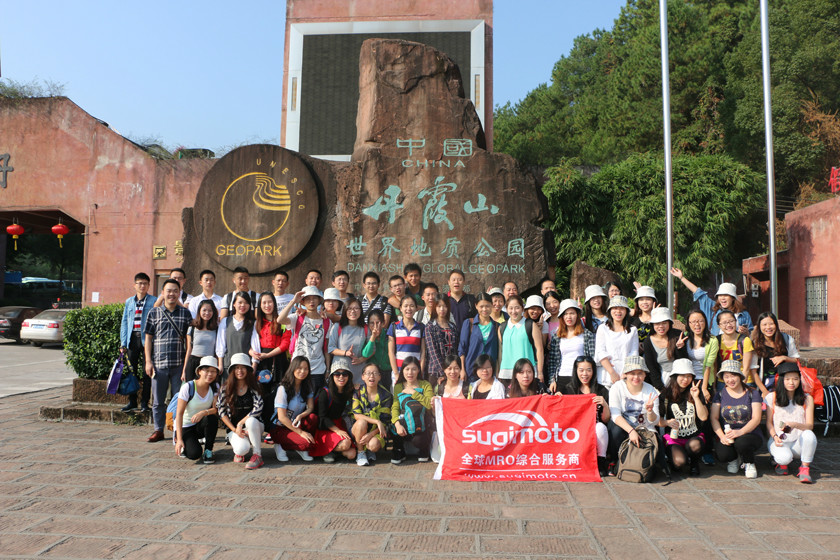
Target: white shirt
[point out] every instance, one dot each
(195, 301)
(221, 343)
(623, 403)
(283, 301)
(614, 346)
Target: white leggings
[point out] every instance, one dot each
(804, 447)
(602, 438)
(241, 445)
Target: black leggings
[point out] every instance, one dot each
(134, 355)
(745, 446)
(206, 428)
(680, 455)
(617, 437)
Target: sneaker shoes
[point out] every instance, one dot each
(733, 466)
(805, 475)
(693, 467)
(145, 409)
(782, 470)
(255, 462)
(128, 408)
(239, 458)
(361, 459)
(208, 457)
(371, 456)
(397, 456)
(329, 458)
(708, 459)
(750, 470)
(281, 453)
(422, 458)
(305, 455)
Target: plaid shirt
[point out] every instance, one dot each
(440, 342)
(169, 345)
(555, 358)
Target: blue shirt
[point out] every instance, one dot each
(706, 302)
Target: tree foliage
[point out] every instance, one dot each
(92, 339)
(604, 101)
(616, 218)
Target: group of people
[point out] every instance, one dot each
(348, 373)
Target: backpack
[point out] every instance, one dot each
(412, 414)
(830, 411)
(638, 464)
(298, 324)
(172, 408)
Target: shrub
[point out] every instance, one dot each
(92, 339)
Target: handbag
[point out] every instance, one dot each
(129, 384)
(115, 377)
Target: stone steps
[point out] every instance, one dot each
(93, 412)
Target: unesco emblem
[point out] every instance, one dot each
(257, 207)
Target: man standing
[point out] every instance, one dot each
(166, 329)
(241, 279)
(280, 285)
(132, 327)
(462, 304)
(207, 281)
(414, 286)
(179, 276)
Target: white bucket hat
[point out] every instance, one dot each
(495, 292)
(534, 301)
(208, 361)
(593, 291)
(646, 291)
(727, 289)
(660, 315)
(618, 301)
(682, 366)
(332, 294)
(567, 304)
(312, 291)
(241, 360)
(632, 363)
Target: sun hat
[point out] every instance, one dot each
(208, 361)
(645, 291)
(730, 366)
(241, 360)
(340, 366)
(618, 301)
(660, 315)
(681, 366)
(567, 304)
(633, 363)
(332, 294)
(312, 291)
(593, 291)
(496, 292)
(787, 367)
(727, 289)
(534, 301)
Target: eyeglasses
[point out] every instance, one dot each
(722, 323)
(694, 323)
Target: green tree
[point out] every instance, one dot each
(616, 218)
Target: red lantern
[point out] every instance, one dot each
(15, 230)
(60, 230)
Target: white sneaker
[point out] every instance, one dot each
(362, 460)
(750, 470)
(305, 455)
(281, 453)
(329, 458)
(733, 466)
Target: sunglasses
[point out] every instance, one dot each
(785, 432)
(342, 374)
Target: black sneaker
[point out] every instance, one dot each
(145, 409)
(129, 407)
(397, 456)
(694, 469)
(603, 468)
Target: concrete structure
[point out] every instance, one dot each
(320, 72)
(809, 272)
(70, 165)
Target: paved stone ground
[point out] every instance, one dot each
(73, 490)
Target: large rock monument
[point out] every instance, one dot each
(420, 187)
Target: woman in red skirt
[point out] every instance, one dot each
(332, 435)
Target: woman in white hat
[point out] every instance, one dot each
(736, 416)
(633, 404)
(664, 345)
(332, 435)
(595, 306)
(310, 332)
(240, 406)
(615, 340)
(195, 415)
(725, 298)
(682, 412)
(645, 302)
(569, 341)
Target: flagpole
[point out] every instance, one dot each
(666, 113)
(768, 148)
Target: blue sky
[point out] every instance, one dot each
(209, 74)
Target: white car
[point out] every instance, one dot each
(47, 326)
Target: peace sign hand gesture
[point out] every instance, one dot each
(681, 340)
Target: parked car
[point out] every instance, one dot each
(47, 326)
(11, 318)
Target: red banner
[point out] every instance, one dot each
(530, 438)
